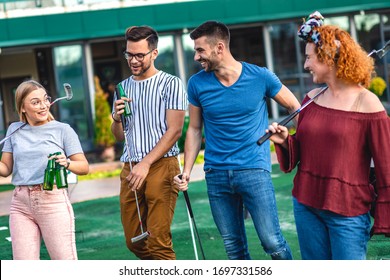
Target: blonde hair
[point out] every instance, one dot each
(22, 91)
(337, 48)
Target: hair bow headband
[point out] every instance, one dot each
(307, 31)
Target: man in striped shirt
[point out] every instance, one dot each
(158, 102)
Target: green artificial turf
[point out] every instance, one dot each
(99, 232)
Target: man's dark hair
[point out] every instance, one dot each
(138, 33)
(212, 29)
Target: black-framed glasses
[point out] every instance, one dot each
(138, 56)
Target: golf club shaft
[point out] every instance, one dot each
(189, 208)
(188, 203)
(138, 211)
(143, 234)
(380, 53)
(9, 136)
(189, 216)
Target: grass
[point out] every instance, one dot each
(99, 233)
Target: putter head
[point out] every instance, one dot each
(68, 91)
(383, 51)
(140, 237)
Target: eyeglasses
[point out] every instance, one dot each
(36, 103)
(138, 56)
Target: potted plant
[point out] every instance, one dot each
(104, 138)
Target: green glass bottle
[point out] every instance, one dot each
(127, 112)
(48, 180)
(60, 175)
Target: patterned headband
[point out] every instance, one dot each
(307, 30)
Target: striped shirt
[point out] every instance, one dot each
(147, 124)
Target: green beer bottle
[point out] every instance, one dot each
(60, 174)
(121, 91)
(48, 180)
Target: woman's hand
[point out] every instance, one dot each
(279, 134)
(61, 160)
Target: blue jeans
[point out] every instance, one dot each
(228, 191)
(324, 235)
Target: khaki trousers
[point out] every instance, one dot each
(157, 200)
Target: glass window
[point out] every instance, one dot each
(69, 68)
(192, 67)
(286, 58)
(165, 59)
(386, 60)
(247, 44)
(341, 21)
(369, 37)
(284, 50)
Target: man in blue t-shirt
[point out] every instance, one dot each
(228, 98)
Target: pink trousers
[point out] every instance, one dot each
(37, 214)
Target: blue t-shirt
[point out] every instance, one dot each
(235, 117)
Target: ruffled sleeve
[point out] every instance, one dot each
(288, 159)
(379, 141)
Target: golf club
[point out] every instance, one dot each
(144, 234)
(379, 53)
(191, 213)
(189, 217)
(69, 96)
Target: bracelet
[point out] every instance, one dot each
(115, 120)
(68, 163)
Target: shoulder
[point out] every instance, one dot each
(166, 76)
(15, 125)
(254, 68)
(199, 77)
(60, 125)
(370, 103)
(313, 92)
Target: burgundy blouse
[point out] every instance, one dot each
(333, 151)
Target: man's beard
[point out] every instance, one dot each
(143, 70)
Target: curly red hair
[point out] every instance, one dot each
(338, 48)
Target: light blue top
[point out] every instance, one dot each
(31, 146)
(235, 117)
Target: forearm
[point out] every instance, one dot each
(4, 170)
(192, 147)
(78, 164)
(117, 131)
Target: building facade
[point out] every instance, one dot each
(73, 41)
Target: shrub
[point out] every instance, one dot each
(377, 86)
(103, 134)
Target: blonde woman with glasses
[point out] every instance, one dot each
(35, 213)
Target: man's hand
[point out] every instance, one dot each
(182, 180)
(137, 175)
